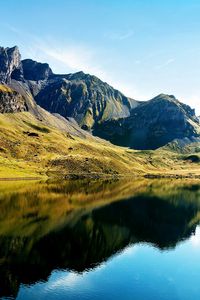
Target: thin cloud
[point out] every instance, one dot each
(65, 58)
(12, 28)
(71, 58)
(165, 64)
(74, 58)
(119, 36)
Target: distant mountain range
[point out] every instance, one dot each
(94, 104)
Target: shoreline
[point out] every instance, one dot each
(20, 178)
(74, 176)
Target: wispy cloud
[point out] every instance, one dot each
(165, 64)
(68, 58)
(65, 57)
(76, 57)
(119, 36)
(11, 28)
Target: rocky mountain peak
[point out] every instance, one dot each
(84, 76)
(10, 64)
(170, 102)
(165, 97)
(35, 71)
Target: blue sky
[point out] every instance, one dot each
(141, 47)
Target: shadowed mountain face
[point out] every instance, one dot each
(85, 223)
(97, 106)
(35, 71)
(85, 98)
(152, 124)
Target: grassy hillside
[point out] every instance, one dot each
(30, 148)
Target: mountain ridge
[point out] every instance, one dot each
(35, 142)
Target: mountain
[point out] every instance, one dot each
(35, 142)
(80, 96)
(103, 110)
(16, 92)
(96, 106)
(152, 124)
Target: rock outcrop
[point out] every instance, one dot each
(35, 71)
(11, 101)
(10, 64)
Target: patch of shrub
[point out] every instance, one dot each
(193, 158)
(36, 127)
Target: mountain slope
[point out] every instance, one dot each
(152, 124)
(31, 148)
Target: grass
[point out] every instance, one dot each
(51, 152)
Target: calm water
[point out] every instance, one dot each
(100, 240)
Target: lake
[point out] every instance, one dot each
(100, 239)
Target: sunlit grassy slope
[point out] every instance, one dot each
(30, 148)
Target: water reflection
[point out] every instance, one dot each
(77, 225)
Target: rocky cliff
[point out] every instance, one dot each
(35, 71)
(10, 64)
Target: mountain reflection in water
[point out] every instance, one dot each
(76, 225)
